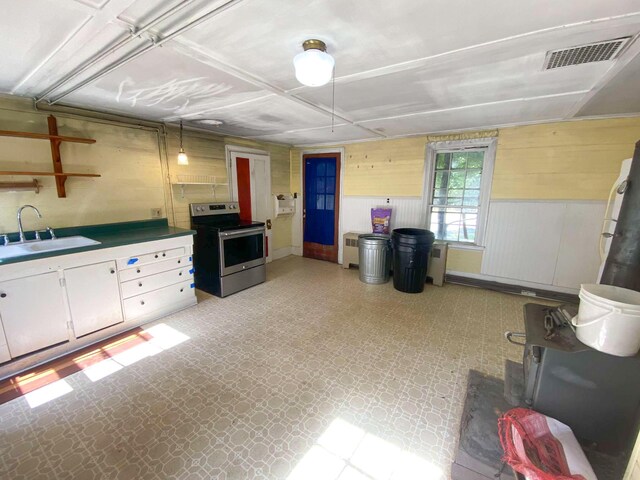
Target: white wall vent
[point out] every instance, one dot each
(592, 52)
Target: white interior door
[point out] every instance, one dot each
(260, 188)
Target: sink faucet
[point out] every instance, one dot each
(22, 239)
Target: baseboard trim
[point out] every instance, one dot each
(279, 253)
(526, 291)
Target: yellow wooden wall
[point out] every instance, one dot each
(126, 157)
(567, 160)
(134, 167)
(207, 157)
(385, 168)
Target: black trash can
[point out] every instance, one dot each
(411, 247)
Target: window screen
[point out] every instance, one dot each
(455, 202)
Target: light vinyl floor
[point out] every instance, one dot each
(312, 375)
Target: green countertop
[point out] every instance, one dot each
(109, 235)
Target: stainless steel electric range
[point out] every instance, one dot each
(228, 253)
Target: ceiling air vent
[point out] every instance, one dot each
(592, 52)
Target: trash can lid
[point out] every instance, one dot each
(373, 238)
(413, 236)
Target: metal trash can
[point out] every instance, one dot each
(374, 256)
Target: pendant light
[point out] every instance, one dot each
(314, 66)
(182, 157)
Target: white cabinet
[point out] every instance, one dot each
(152, 257)
(104, 292)
(33, 313)
(161, 302)
(94, 297)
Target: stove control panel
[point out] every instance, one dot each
(204, 209)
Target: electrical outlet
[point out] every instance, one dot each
(156, 213)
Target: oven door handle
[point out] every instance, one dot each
(242, 233)
(509, 336)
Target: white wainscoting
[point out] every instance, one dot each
(406, 212)
(551, 243)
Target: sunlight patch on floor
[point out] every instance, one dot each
(101, 369)
(47, 393)
(163, 337)
(346, 452)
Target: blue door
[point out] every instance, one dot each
(321, 206)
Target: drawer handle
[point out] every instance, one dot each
(179, 261)
(182, 289)
(180, 274)
(112, 271)
(141, 302)
(3, 295)
(138, 270)
(156, 255)
(164, 254)
(139, 284)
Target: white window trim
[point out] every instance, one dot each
(485, 184)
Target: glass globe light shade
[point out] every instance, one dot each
(313, 67)
(182, 158)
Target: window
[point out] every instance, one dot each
(458, 192)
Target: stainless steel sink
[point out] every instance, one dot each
(40, 246)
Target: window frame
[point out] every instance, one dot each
(433, 148)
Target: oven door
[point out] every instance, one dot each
(241, 249)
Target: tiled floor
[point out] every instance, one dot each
(310, 375)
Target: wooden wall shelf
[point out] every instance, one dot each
(20, 186)
(45, 136)
(55, 140)
(51, 174)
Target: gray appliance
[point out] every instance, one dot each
(228, 252)
(596, 394)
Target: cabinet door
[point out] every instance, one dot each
(94, 297)
(33, 312)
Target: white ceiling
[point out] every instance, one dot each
(403, 67)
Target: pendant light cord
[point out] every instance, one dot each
(333, 98)
(181, 135)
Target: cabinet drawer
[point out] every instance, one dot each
(159, 301)
(134, 261)
(152, 268)
(153, 282)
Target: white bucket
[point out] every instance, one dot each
(609, 319)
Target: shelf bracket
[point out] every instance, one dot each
(55, 156)
(18, 186)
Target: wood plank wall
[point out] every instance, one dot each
(576, 160)
(570, 160)
(134, 171)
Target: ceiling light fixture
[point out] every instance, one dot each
(314, 66)
(182, 157)
(209, 121)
